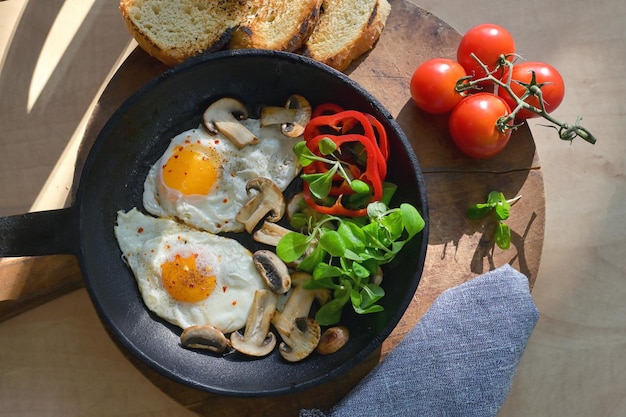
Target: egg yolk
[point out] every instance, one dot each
(184, 282)
(191, 169)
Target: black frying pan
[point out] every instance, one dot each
(112, 180)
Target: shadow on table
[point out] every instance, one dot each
(97, 36)
(454, 182)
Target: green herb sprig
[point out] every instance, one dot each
(501, 208)
(347, 252)
(320, 183)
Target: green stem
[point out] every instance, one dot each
(566, 131)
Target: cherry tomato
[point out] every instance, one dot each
(473, 125)
(432, 85)
(552, 92)
(487, 42)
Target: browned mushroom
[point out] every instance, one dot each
(270, 233)
(301, 340)
(257, 340)
(219, 117)
(292, 118)
(268, 202)
(333, 339)
(204, 337)
(273, 270)
(300, 333)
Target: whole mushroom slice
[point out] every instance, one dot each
(292, 118)
(220, 117)
(267, 203)
(204, 337)
(273, 270)
(276, 115)
(302, 339)
(270, 233)
(300, 333)
(257, 340)
(300, 300)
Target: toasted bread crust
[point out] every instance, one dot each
(175, 31)
(278, 25)
(334, 32)
(339, 53)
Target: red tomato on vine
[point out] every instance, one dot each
(487, 41)
(432, 85)
(473, 125)
(546, 77)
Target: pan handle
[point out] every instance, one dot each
(51, 232)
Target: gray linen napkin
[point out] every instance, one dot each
(459, 359)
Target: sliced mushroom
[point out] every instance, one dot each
(303, 116)
(204, 337)
(257, 340)
(292, 118)
(302, 339)
(300, 334)
(219, 117)
(276, 115)
(270, 233)
(300, 300)
(268, 201)
(273, 270)
(333, 339)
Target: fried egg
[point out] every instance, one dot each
(186, 276)
(201, 179)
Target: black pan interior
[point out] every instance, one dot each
(113, 179)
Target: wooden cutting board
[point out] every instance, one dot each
(458, 249)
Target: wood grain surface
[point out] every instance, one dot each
(56, 58)
(458, 250)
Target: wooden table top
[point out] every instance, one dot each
(458, 249)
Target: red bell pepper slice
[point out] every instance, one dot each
(382, 141)
(337, 209)
(326, 108)
(370, 175)
(344, 122)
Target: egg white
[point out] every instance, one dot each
(272, 157)
(147, 242)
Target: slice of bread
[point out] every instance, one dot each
(346, 30)
(334, 32)
(173, 31)
(279, 25)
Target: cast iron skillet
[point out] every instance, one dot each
(112, 180)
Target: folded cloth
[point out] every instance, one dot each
(459, 359)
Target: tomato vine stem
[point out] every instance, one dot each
(566, 131)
